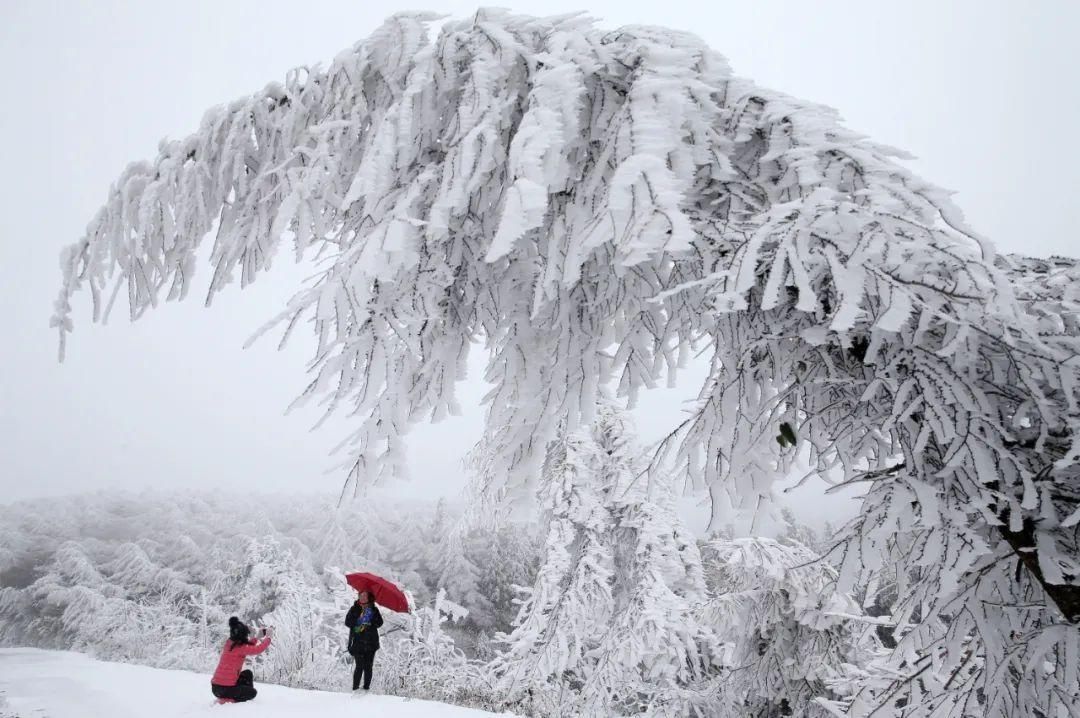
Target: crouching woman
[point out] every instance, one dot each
(231, 683)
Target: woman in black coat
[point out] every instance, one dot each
(363, 620)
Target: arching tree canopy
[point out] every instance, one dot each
(594, 207)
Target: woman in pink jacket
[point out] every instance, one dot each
(231, 683)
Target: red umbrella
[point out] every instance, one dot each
(385, 593)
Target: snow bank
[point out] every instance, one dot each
(60, 684)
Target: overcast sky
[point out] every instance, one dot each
(984, 92)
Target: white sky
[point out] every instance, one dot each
(984, 92)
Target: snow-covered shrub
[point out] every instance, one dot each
(423, 661)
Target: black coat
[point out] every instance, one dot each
(366, 640)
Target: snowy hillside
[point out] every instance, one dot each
(58, 684)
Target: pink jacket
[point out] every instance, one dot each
(232, 661)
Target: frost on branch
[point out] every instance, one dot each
(593, 207)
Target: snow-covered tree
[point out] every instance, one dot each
(794, 531)
(459, 577)
(657, 656)
(268, 574)
(591, 206)
(69, 594)
(410, 554)
(790, 634)
(563, 615)
(507, 558)
(335, 546)
(611, 625)
(132, 570)
(297, 618)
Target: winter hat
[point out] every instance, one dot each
(238, 632)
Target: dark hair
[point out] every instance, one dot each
(238, 633)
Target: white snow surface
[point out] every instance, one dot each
(62, 684)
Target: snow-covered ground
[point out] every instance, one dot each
(60, 684)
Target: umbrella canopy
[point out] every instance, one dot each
(385, 593)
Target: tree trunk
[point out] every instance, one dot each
(1065, 597)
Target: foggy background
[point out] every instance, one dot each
(984, 93)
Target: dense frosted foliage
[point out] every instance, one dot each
(592, 207)
(611, 626)
(790, 633)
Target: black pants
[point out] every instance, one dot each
(364, 663)
(244, 690)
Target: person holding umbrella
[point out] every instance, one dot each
(363, 620)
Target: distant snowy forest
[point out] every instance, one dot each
(590, 211)
(151, 578)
